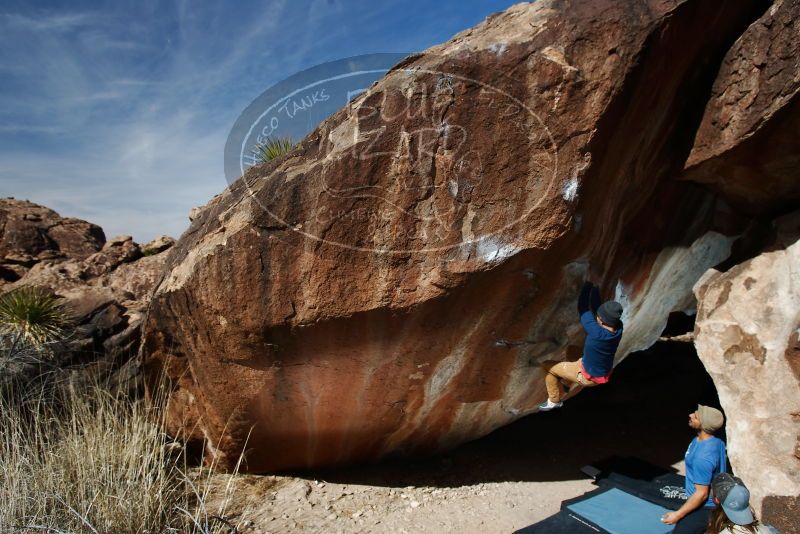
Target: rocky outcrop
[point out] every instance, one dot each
(30, 233)
(748, 336)
(104, 285)
(746, 148)
(344, 302)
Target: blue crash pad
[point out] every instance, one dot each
(619, 512)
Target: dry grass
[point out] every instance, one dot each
(77, 458)
(89, 461)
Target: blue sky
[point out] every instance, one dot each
(117, 112)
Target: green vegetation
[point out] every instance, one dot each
(273, 148)
(94, 462)
(32, 317)
(78, 456)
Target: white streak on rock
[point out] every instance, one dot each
(232, 223)
(622, 295)
(556, 55)
(570, 189)
(442, 376)
(498, 48)
(491, 250)
(452, 188)
(667, 289)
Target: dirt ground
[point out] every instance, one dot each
(284, 504)
(512, 478)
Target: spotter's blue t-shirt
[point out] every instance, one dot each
(704, 460)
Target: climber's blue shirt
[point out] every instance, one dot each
(704, 460)
(600, 346)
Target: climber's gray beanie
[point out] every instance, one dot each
(610, 313)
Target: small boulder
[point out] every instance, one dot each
(159, 244)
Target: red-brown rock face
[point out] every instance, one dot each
(747, 147)
(343, 303)
(30, 233)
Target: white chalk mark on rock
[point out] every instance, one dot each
(491, 250)
(570, 189)
(498, 48)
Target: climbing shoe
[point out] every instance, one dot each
(546, 406)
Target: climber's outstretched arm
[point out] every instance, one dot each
(589, 299)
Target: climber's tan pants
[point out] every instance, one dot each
(570, 371)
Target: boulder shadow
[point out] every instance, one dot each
(642, 413)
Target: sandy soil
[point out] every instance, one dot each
(281, 504)
(512, 478)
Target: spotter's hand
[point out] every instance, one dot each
(670, 518)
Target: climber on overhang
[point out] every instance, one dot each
(603, 325)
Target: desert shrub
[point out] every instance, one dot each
(32, 317)
(34, 329)
(76, 457)
(272, 148)
(95, 462)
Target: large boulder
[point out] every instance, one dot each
(344, 302)
(747, 335)
(748, 151)
(747, 147)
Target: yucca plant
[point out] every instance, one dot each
(33, 317)
(272, 148)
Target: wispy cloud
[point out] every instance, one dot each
(44, 22)
(118, 113)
